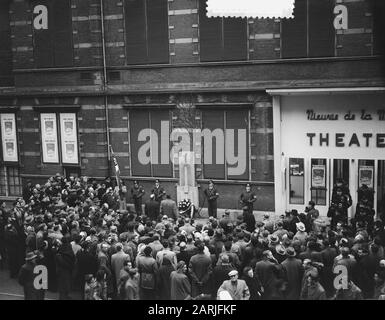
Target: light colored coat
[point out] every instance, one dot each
(238, 292)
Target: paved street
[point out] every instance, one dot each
(11, 290)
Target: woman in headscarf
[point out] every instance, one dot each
(180, 284)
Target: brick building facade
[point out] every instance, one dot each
(166, 61)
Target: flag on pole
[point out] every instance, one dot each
(116, 166)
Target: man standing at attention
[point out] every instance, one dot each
(212, 196)
(248, 198)
(137, 193)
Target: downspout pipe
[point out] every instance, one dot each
(105, 86)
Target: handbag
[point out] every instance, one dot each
(147, 281)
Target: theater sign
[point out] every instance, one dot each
(322, 136)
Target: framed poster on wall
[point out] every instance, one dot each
(318, 176)
(69, 138)
(49, 138)
(366, 176)
(9, 137)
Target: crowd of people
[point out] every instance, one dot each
(91, 240)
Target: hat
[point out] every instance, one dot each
(30, 256)
(165, 217)
(313, 274)
(29, 219)
(233, 273)
(300, 226)
(266, 216)
(290, 252)
(260, 224)
(227, 212)
(157, 181)
(152, 196)
(248, 185)
(182, 244)
(274, 239)
(280, 249)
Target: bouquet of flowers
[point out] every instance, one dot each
(184, 206)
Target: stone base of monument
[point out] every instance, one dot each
(187, 192)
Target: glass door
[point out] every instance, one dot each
(343, 173)
(319, 185)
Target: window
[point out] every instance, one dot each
(318, 181)
(67, 139)
(221, 39)
(311, 32)
(150, 121)
(222, 123)
(10, 181)
(147, 39)
(378, 9)
(6, 78)
(296, 180)
(53, 46)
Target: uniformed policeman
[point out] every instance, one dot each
(248, 198)
(212, 195)
(158, 191)
(137, 193)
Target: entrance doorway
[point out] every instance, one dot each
(381, 190)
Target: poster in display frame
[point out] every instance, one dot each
(69, 138)
(366, 176)
(49, 138)
(9, 137)
(318, 176)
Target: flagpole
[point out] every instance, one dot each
(116, 166)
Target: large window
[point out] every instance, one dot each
(6, 78)
(53, 46)
(10, 181)
(146, 143)
(59, 138)
(311, 32)
(221, 39)
(147, 39)
(230, 138)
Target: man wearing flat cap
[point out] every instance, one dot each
(237, 288)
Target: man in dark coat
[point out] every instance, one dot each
(200, 271)
(168, 207)
(266, 271)
(220, 274)
(367, 265)
(65, 262)
(152, 208)
(87, 264)
(212, 195)
(158, 191)
(137, 193)
(27, 279)
(294, 273)
(14, 245)
(248, 198)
